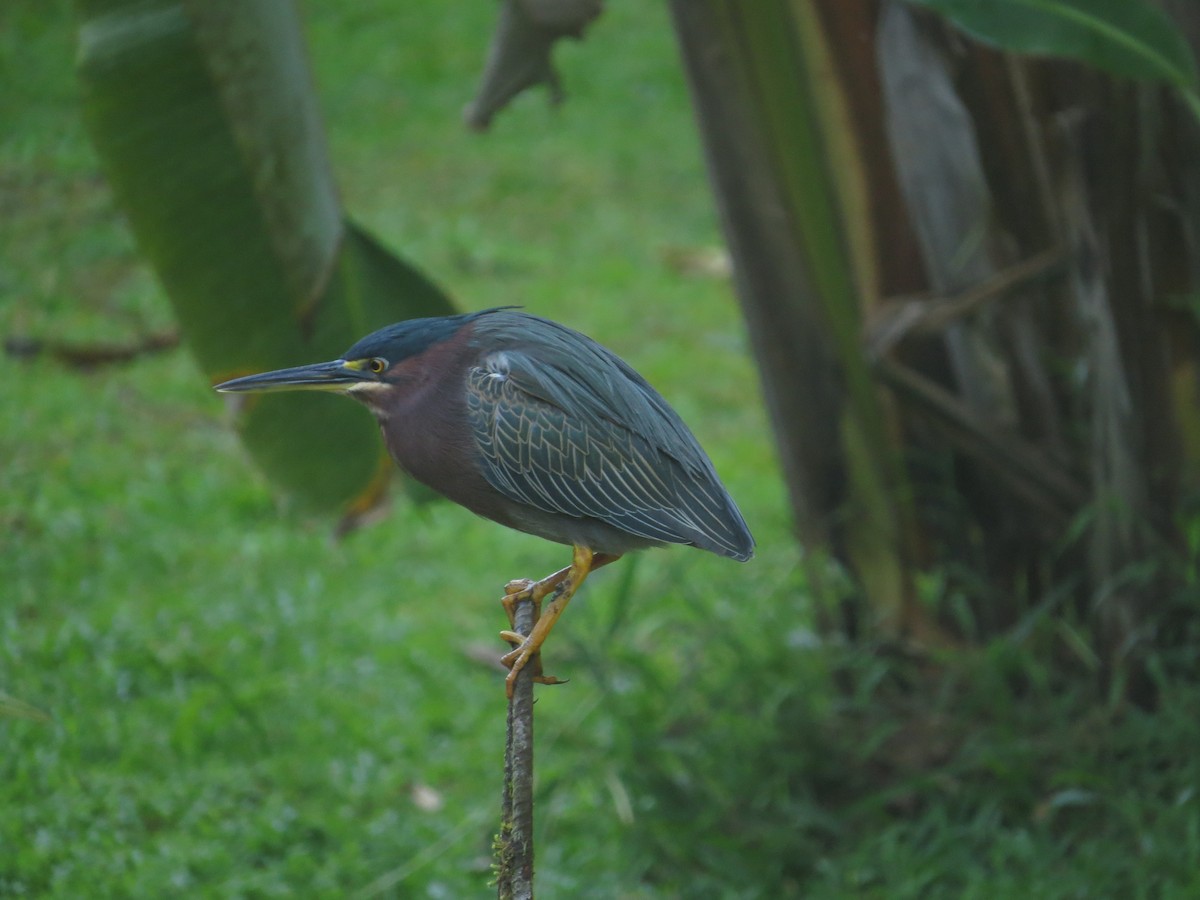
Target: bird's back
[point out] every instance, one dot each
(569, 428)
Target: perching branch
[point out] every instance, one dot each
(514, 843)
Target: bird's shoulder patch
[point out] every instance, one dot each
(496, 366)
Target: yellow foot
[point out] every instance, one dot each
(521, 658)
(521, 589)
(533, 661)
(518, 591)
(562, 585)
(511, 598)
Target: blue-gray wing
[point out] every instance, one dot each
(563, 443)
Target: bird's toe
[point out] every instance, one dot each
(518, 586)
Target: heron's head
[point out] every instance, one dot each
(371, 370)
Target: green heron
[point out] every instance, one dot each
(535, 426)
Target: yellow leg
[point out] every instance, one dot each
(564, 584)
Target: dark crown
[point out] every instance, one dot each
(411, 337)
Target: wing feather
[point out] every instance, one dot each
(561, 443)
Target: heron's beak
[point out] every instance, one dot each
(337, 375)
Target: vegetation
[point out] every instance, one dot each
(1005, 244)
(206, 694)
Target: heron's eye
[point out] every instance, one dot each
(377, 365)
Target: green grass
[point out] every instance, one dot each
(240, 705)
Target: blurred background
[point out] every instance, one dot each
(963, 660)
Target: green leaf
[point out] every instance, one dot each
(204, 117)
(342, 460)
(1123, 37)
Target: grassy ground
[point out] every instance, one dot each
(240, 705)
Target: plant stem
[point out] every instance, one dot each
(514, 845)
